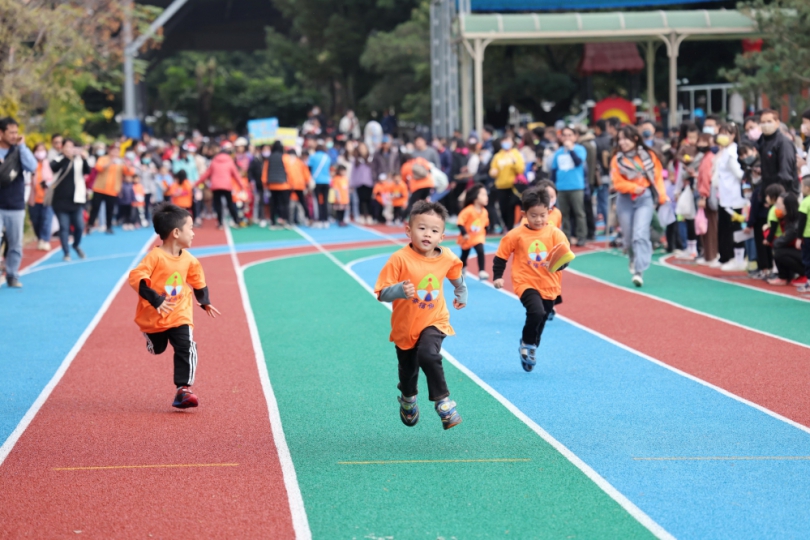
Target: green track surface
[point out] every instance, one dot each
(777, 315)
(334, 374)
(254, 233)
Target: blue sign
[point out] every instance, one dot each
(262, 131)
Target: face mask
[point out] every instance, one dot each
(266, 154)
(41, 154)
(768, 128)
(708, 129)
(506, 145)
(703, 149)
(749, 160)
(723, 140)
(100, 153)
(130, 156)
(146, 161)
(647, 134)
(330, 144)
(755, 133)
(714, 149)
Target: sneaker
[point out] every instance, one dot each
(448, 413)
(527, 358)
(799, 281)
(13, 283)
(701, 261)
(109, 231)
(185, 398)
(483, 276)
(803, 289)
(408, 410)
(686, 256)
(79, 252)
(66, 258)
(734, 266)
(551, 315)
(263, 223)
(715, 263)
(638, 281)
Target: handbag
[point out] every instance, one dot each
(685, 207)
(701, 222)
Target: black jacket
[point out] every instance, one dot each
(63, 193)
(276, 173)
(777, 158)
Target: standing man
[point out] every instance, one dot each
(777, 154)
(15, 158)
(422, 150)
(55, 153)
(586, 139)
(604, 151)
(568, 173)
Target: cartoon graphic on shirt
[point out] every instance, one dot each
(428, 291)
(537, 252)
(174, 285)
(476, 226)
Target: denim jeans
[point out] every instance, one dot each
(635, 217)
(602, 199)
(41, 219)
(13, 221)
(66, 219)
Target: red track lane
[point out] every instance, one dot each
(767, 371)
(113, 407)
(208, 235)
(31, 254)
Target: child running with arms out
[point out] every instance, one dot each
(472, 227)
(412, 280)
(164, 280)
(540, 252)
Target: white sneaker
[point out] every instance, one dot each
(638, 281)
(734, 266)
(701, 260)
(263, 223)
(715, 263)
(483, 276)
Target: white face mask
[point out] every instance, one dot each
(506, 145)
(709, 129)
(768, 128)
(266, 154)
(40, 154)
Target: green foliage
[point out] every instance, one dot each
(783, 66)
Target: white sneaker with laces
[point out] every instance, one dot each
(734, 266)
(483, 276)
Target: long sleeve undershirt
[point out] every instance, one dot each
(397, 291)
(156, 299)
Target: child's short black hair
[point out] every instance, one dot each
(545, 184)
(181, 175)
(427, 207)
(774, 191)
(472, 194)
(168, 217)
(340, 169)
(535, 196)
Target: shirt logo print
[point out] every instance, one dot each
(537, 253)
(174, 285)
(427, 292)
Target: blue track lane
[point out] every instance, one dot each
(40, 323)
(609, 405)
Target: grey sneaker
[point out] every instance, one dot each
(448, 413)
(527, 356)
(13, 283)
(79, 252)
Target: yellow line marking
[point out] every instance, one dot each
(726, 458)
(167, 466)
(397, 462)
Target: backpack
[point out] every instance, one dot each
(440, 181)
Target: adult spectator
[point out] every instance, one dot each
(586, 139)
(711, 124)
(445, 156)
(40, 214)
(223, 176)
(504, 167)
(659, 146)
(15, 158)
(486, 138)
(349, 125)
(637, 176)
(373, 133)
(110, 171)
(319, 163)
(56, 147)
(275, 177)
(568, 173)
(362, 182)
(422, 150)
(752, 130)
(255, 173)
(777, 154)
(385, 160)
(389, 122)
(67, 196)
(604, 151)
(708, 200)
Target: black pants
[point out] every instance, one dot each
(428, 356)
(109, 206)
(280, 203)
(725, 234)
(788, 263)
(147, 206)
(479, 250)
(303, 202)
(806, 256)
(364, 198)
(537, 310)
(185, 351)
(218, 195)
(507, 202)
(764, 253)
(322, 200)
(590, 220)
(673, 237)
(125, 214)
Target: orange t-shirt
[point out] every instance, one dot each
(429, 307)
(530, 248)
(39, 191)
(298, 174)
(413, 183)
(341, 186)
(475, 223)
(381, 193)
(110, 175)
(140, 196)
(172, 276)
(554, 218)
(181, 194)
(399, 195)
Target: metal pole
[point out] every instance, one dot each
(651, 79)
(129, 62)
(435, 68)
(466, 93)
(478, 48)
(673, 80)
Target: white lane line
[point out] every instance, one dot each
(296, 501)
(79, 261)
(39, 261)
(26, 420)
(649, 358)
(603, 484)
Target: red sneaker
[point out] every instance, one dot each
(799, 281)
(185, 398)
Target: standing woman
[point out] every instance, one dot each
(362, 181)
(41, 215)
(728, 177)
(67, 195)
(637, 176)
(274, 176)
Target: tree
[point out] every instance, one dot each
(783, 66)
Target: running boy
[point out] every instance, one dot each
(472, 225)
(540, 253)
(165, 315)
(412, 279)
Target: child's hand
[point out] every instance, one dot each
(166, 307)
(498, 283)
(466, 237)
(457, 304)
(212, 311)
(410, 290)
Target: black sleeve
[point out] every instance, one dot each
(773, 225)
(150, 295)
(787, 165)
(498, 267)
(461, 229)
(802, 222)
(202, 296)
(788, 238)
(86, 167)
(576, 158)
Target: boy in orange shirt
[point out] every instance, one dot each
(340, 183)
(420, 320)
(540, 252)
(472, 225)
(165, 315)
(554, 214)
(181, 191)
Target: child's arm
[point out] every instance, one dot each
(140, 279)
(389, 287)
(505, 250)
(196, 279)
(456, 277)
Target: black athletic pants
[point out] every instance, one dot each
(280, 203)
(507, 202)
(218, 195)
(479, 250)
(788, 263)
(95, 206)
(537, 310)
(427, 355)
(364, 199)
(185, 351)
(322, 200)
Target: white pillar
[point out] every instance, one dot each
(478, 49)
(673, 44)
(129, 62)
(651, 78)
(466, 92)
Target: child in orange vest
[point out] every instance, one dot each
(540, 252)
(472, 227)
(181, 191)
(340, 184)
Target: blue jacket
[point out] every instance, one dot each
(568, 168)
(319, 164)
